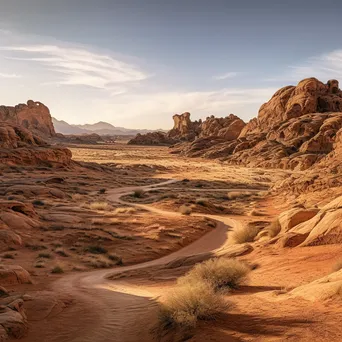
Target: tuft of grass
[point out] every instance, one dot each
(243, 234)
(44, 255)
(102, 191)
(202, 201)
(218, 273)
(138, 193)
(273, 229)
(185, 210)
(187, 304)
(95, 250)
(124, 210)
(57, 270)
(337, 266)
(99, 205)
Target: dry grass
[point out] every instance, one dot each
(99, 205)
(77, 197)
(124, 210)
(138, 193)
(273, 229)
(337, 266)
(243, 234)
(185, 210)
(218, 273)
(187, 304)
(57, 270)
(202, 201)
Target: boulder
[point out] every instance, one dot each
(14, 274)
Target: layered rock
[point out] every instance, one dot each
(33, 116)
(19, 146)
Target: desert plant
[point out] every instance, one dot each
(138, 193)
(202, 201)
(187, 304)
(242, 234)
(102, 191)
(124, 210)
(218, 273)
(99, 205)
(95, 250)
(185, 210)
(38, 203)
(274, 228)
(232, 195)
(57, 270)
(77, 197)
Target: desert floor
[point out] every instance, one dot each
(116, 228)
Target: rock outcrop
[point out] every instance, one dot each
(34, 116)
(19, 146)
(153, 138)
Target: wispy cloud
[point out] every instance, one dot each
(78, 66)
(5, 75)
(225, 76)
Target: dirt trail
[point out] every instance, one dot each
(104, 311)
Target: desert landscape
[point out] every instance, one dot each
(217, 230)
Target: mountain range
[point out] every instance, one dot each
(101, 128)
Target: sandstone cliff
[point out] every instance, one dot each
(33, 116)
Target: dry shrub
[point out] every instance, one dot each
(138, 193)
(218, 273)
(185, 210)
(337, 266)
(274, 228)
(202, 201)
(57, 270)
(100, 262)
(124, 210)
(243, 234)
(99, 205)
(187, 304)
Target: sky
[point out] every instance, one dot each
(135, 63)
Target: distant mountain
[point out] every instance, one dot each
(101, 128)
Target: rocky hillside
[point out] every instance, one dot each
(33, 116)
(19, 146)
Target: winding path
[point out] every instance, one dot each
(107, 311)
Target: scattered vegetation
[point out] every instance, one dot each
(187, 304)
(57, 270)
(274, 228)
(218, 273)
(99, 205)
(233, 195)
(202, 201)
(102, 191)
(124, 210)
(138, 193)
(185, 210)
(243, 234)
(77, 197)
(117, 259)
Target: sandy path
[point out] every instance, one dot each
(105, 311)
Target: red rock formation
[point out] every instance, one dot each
(184, 129)
(153, 138)
(33, 116)
(18, 146)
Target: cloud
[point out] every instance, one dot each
(79, 66)
(225, 76)
(5, 75)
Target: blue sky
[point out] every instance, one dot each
(135, 63)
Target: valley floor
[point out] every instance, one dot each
(131, 208)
